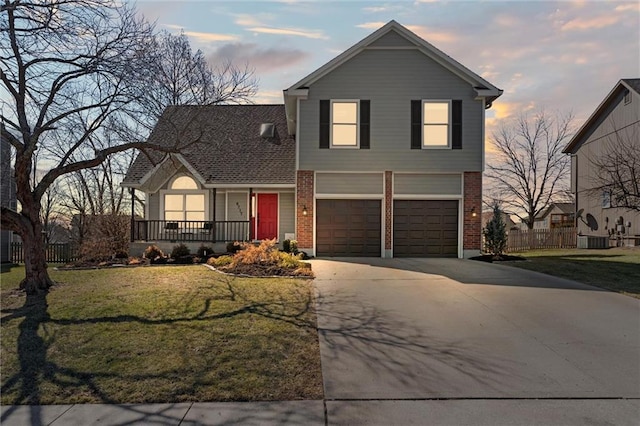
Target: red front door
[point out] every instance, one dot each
(267, 216)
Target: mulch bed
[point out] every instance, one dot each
(502, 258)
(265, 270)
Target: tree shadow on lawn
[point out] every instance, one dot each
(36, 368)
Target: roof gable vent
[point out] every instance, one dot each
(267, 130)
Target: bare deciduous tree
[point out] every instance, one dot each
(69, 68)
(179, 76)
(530, 171)
(617, 168)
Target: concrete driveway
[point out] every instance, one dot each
(404, 336)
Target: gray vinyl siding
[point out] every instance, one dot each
(618, 116)
(427, 184)
(220, 205)
(153, 200)
(392, 39)
(287, 214)
(349, 183)
(238, 206)
(390, 79)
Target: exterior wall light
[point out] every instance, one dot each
(473, 212)
(304, 210)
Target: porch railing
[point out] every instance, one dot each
(190, 230)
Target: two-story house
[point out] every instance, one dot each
(604, 154)
(379, 152)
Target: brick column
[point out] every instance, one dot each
(472, 239)
(304, 197)
(388, 201)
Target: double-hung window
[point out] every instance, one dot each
(344, 124)
(436, 124)
(436, 128)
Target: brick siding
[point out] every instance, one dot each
(388, 201)
(472, 200)
(304, 197)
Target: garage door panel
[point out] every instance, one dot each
(425, 228)
(348, 228)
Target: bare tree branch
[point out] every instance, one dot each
(529, 171)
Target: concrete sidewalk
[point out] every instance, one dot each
(576, 412)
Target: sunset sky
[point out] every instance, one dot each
(560, 56)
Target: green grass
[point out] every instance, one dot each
(159, 334)
(616, 269)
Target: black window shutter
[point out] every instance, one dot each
(365, 112)
(456, 124)
(325, 123)
(416, 124)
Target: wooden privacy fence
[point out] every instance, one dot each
(541, 239)
(55, 253)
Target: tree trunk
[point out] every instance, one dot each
(37, 280)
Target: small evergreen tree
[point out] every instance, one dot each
(495, 234)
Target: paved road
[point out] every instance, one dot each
(405, 333)
(436, 342)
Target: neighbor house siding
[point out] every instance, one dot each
(626, 118)
(427, 184)
(221, 207)
(392, 39)
(390, 79)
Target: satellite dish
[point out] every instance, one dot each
(592, 223)
(579, 214)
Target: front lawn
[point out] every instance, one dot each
(616, 269)
(159, 334)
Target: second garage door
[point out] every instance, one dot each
(348, 228)
(425, 228)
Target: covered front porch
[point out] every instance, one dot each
(177, 231)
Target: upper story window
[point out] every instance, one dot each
(627, 97)
(436, 124)
(344, 124)
(436, 119)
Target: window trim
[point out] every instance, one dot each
(356, 124)
(449, 144)
(627, 97)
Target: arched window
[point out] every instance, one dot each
(184, 201)
(184, 182)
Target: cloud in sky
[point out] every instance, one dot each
(263, 59)
(209, 37)
(261, 23)
(298, 32)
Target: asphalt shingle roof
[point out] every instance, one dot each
(223, 144)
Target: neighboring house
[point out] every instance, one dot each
(379, 152)
(557, 215)
(616, 120)
(7, 196)
(487, 215)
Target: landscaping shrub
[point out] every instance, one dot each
(233, 247)
(495, 234)
(152, 252)
(220, 261)
(263, 260)
(180, 250)
(290, 246)
(204, 251)
(106, 237)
